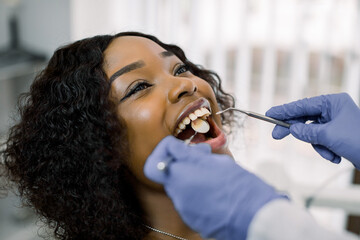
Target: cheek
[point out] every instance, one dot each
(144, 119)
(205, 87)
(142, 115)
(145, 130)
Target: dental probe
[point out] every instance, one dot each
(187, 141)
(162, 166)
(258, 116)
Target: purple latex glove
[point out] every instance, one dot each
(335, 130)
(212, 194)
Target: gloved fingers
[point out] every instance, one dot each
(203, 147)
(300, 108)
(306, 132)
(327, 154)
(152, 169)
(180, 150)
(311, 133)
(168, 151)
(197, 148)
(160, 155)
(280, 132)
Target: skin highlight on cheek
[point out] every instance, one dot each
(145, 114)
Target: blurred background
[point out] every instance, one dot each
(267, 52)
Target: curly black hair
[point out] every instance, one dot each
(67, 154)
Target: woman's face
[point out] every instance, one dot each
(155, 92)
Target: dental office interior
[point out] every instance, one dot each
(267, 52)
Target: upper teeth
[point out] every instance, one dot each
(199, 126)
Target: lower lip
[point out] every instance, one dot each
(220, 140)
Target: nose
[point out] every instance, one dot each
(181, 87)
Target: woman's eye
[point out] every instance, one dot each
(181, 69)
(137, 88)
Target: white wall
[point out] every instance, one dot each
(44, 24)
(4, 36)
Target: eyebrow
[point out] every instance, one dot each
(126, 69)
(136, 65)
(166, 54)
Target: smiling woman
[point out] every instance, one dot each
(88, 124)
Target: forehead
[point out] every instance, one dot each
(127, 49)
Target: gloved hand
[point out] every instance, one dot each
(212, 194)
(335, 130)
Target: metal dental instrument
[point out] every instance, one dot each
(258, 116)
(162, 165)
(187, 141)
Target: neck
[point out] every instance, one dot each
(161, 214)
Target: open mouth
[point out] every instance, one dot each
(197, 118)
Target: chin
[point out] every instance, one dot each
(224, 150)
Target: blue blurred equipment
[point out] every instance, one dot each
(334, 130)
(213, 195)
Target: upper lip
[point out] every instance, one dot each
(191, 107)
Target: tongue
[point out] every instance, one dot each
(199, 137)
(187, 133)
